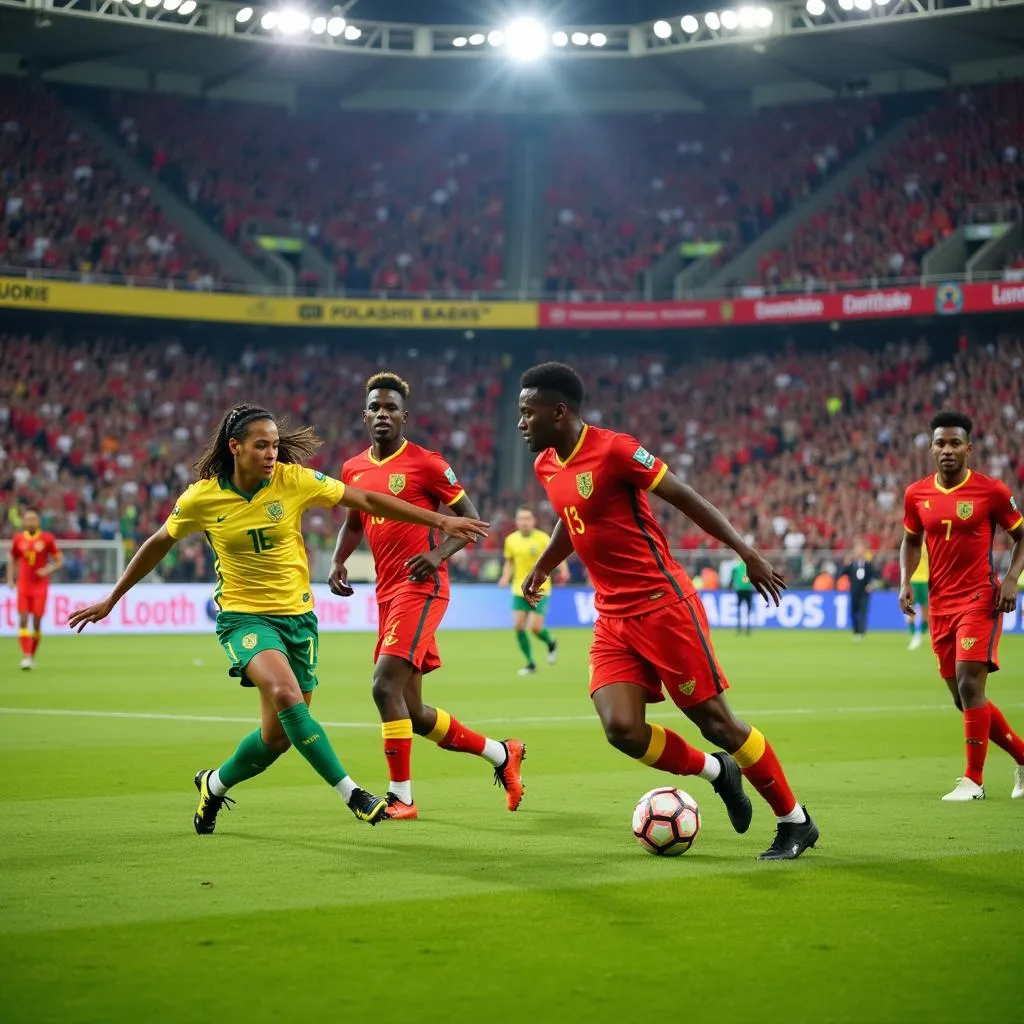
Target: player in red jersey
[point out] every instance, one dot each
(957, 511)
(652, 632)
(412, 596)
(32, 551)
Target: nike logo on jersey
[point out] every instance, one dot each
(548, 479)
(356, 477)
(220, 519)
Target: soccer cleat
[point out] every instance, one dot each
(509, 775)
(553, 652)
(367, 807)
(965, 791)
(792, 839)
(528, 670)
(26, 663)
(915, 642)
(396, 810)
(209, 805)
(1018, 783)
(729, 786)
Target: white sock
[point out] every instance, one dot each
(346, 788)
(402, 790)
(712, 768)
(214, 785)
(494, 751)
(797, 816)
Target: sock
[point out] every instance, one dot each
(912, 627)
(524, 645)
(309, 739)
(976, 729)
(346, 788)
(25, 642)
(712, 768)
(214, 785)
(450, 734)
(36, 637)
(251, 758)
(398, 754)
(545, 637)
(1003, 736)
(763, 771)
(669, 752)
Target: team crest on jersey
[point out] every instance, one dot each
(968, 642)
(396, 483)
(449, 475)
(250, 640)
(585, 484)
(688, 687)
(964, 509)
(318, 476)
(177, 511)
(275, 511)
(644, 457)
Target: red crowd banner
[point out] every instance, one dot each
(949, 299)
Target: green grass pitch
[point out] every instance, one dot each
(112, 909)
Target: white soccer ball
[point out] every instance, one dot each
(666, 821)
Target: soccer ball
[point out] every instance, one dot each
(666, 821)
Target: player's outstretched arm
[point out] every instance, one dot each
(349, 538)
(426, 563)
(146, 559)
(910, 558)
(55, 566)
(558, 550)
(1007, 599)
(767, 580)
(388, 507)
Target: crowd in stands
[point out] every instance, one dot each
(967, 150)
(64, 206)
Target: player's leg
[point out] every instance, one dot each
(37, 623)
(24, 633)
(535, 624)
(520, 613)
(391, 676)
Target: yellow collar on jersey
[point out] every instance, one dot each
(950, 490)
(579, 444)
(393, 455)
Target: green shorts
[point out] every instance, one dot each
(520, 604)
(920, 592)
(243, 635)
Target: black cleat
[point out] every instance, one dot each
(729, 786)
(205, 819)
(367, 807)
(791, 839)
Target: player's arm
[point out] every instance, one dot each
(426, 563)
(767, 580)
(558, 550)
(1007, 599)
(388, 507)
(507, 571)
(910, 550)
(9, 568)
(350, 536)
(150, 554)
(55, 565)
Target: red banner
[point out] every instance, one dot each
(880, 304)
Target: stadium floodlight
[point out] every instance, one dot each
(730, 20)
(862, 5)
(713, 22)
(526, 38)
(459, 42)
(318, 26)
(171, 5)
(135, 3)
(269, 21)
(689, 24)
(748, 17)
(598, 39)
(153, 3)
(764, 17)
(662, 29)
(353, 32)
(335, 26)
(477, 39)
(291, 21)
(187, 8)
(244, 15)
(579, 38)
(560, 38)
(815, 8)
(496, 37)
(881, 3)
(846, 5)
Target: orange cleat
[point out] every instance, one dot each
(509, 775)
(398, 811)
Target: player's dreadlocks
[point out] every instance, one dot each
(949, 418)
(217, 461)
(390, 381)
(558, 380)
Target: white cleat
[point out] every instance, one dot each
(553, 654)
(27, 663)
(966, 790)
(915, 642)
(1018, 783)
(528, 670)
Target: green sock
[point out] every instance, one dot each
(524, 645)
(310, 740)
(924, 628)
(545, 637)
(911, 627)
(251, 758)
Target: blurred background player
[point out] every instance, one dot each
(30, 559)
(956, 512)
(412, 595)
(917, 621)
(863, 577)
(744, 598)
(522, 549)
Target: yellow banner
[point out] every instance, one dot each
(165, 304)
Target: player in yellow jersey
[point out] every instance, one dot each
(522, 549)
(248, 499)
(918, 623)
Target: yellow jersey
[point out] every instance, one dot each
(259, 554)
(921, 572)
(523, 553)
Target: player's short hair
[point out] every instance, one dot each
(556, 379)
(526, 508)
(950, 418)
(391, 381)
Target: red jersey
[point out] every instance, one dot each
(417, 476)
(959, 526)
(30, 552)
(600, 494)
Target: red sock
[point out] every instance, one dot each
(763, 771)
(398, 749)
(669, 752)
(36, 637)
(1003, 736)
(25, 642)
(450, 734)
(977, 722)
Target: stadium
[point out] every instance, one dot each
(782, 247)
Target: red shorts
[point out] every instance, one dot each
(407, 627)
(969, 635)
(668, 647)
(32, 601)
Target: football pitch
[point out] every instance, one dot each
(112, 909)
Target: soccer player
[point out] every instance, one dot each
(251, 492)
(917, 621)
(412, 595)
(744, 597)
(957, 511)
(31, 551)
(522, 549)
(651, 631)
